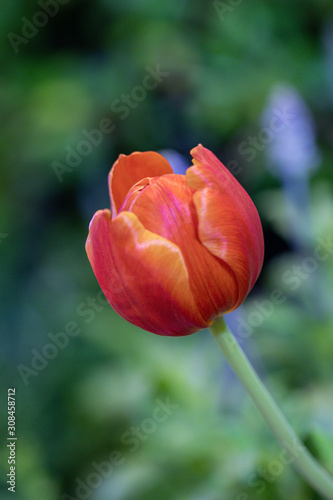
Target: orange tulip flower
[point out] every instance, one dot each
(175, 251)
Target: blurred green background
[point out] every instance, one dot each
(88, 423)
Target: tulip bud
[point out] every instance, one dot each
(175, 251)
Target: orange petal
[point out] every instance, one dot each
(143, 276)
(166, 208)
(128, 170)
(227, 235)
(208, 171)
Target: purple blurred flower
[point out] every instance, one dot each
(176, 160)
(292, 151)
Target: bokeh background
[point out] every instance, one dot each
(252, 81)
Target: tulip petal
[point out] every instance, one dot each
(227, 235)
(166, 207)
(143, 276)
(209, 171)
(128, 170)
(226, 213)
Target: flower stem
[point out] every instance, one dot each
(302, 460)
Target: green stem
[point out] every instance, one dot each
(306, 465)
